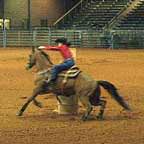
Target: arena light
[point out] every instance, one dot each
(5, 23)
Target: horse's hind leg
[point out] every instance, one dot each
(85, 102)
(102, 104)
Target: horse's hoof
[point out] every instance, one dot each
(83, 118)
(55, 110)
(39, 105)
(100, 118)
(19, 113)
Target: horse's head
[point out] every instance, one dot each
(38, 58)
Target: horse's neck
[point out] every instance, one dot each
(42, 63)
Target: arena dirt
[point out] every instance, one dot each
(124, 68)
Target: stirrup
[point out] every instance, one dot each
(47, 81)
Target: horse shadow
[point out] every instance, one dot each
(52, 116)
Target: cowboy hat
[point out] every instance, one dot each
(63, 41)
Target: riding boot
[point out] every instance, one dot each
(47, 81)
(50, 82)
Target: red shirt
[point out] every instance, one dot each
(64, 50)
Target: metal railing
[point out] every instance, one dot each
(37, 37)
(69, 11)
(115, 18)
(78, 38)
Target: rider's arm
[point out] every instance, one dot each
(56, 48)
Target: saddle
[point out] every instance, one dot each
(70, 73)
(65, 84)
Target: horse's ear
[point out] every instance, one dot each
(33, 49)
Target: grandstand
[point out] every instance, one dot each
(86, 23)
(134, 20)
(94, 14)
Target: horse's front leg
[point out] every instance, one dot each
(37, 103)
(36, 91)
(44, 91)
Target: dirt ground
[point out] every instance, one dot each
(124, 68)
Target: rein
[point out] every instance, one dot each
(43, 71)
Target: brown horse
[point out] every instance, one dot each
(83, 86)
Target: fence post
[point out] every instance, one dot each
(19, 38)
(80, 39)
(66, 33)
(34, 38)
(49, 36)
(4, 38)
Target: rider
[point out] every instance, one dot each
(63, 48)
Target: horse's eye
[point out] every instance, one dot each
(29, 56)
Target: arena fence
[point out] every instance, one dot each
(79, 38)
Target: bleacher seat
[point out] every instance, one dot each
(134, 20)
(95, 14)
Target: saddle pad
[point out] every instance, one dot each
(71, 73)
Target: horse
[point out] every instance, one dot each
(84, 87)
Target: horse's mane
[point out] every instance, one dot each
(46, 56)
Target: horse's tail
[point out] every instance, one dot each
(112, 90)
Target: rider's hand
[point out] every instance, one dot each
(41, 47)
(27, 67)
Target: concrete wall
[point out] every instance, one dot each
(17, 11)
(1, 8)
(46, 9)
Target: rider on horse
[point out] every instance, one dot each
(63, 48)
